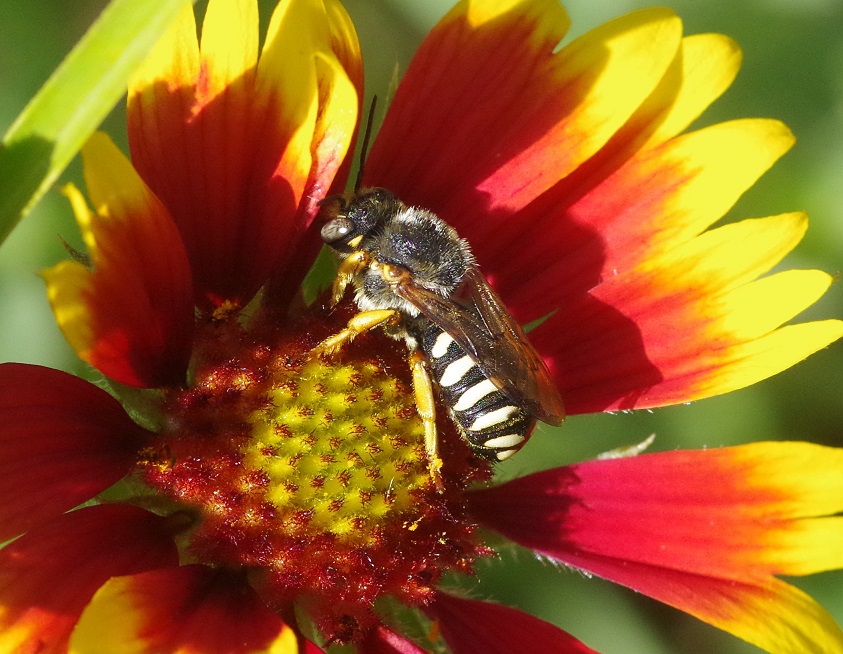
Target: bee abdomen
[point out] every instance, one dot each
(494, 425)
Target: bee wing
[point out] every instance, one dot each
(481, 324)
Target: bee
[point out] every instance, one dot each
(417, 279)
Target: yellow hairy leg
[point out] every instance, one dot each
(359, 323)
(350, 266)
(426, 408)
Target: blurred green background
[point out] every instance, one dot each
(793, 70)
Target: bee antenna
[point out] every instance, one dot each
(364, 149)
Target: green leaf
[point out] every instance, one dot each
(75, 100)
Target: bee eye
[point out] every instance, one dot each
(337, 229)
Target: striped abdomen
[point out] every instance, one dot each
(489, 420)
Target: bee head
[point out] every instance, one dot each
(350, 221)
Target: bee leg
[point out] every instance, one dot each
(359, 323)
(423, 390)
(350, 266)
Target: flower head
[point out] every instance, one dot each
(266, 494)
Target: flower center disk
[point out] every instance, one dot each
(339, 448)
(312, 473)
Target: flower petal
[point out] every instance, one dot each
(229, 49)
(340, 84)
(598, 208)
(311, 648)
(190, 610)
(527, 116)
(63, 441)
(228, 142)
(688, 323)
(474, 627)
(703, 68)
(188, 117)
(771, 614)
(340, 75)
(726, 540)
(589, 230)
(174, 61)
(131, 317)
(48, 575)
(709, 65)
(383, 640)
